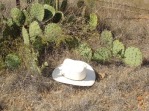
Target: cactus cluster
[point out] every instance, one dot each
(102, 55)
(133, 57)
(106, 38)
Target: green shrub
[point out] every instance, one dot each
(133, 57)
(102, 55)
(12, 61)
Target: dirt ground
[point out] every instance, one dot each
(117, 87)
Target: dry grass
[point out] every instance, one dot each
(117, 88)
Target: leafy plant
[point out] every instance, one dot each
(133, 57)
(118, 48)
(102, 55)
(106, 38)
(85, 51)
(12, 61)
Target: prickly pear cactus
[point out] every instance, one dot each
(34, 31)
(25, 36)
(102, 55)
(106, 38)
(17, 16)
(52, 32)
(49, 12)
(85, 51)
(118, 48)
(37, 11)
(93, 21)
(64, 5)
(27, 17)
(133, 57)
(12, 61)
(58, 17)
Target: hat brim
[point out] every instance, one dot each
(88, 81)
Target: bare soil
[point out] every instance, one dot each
(117, 87)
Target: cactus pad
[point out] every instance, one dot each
(106, 38)
(85, 51)
(17, 16)
(52, 32)
(133, 57)
(49, 12)
(12, 61)
(34, 31)
(58, 17)
(37, 11)
(93, 21)
(118, 48)
(25, 36)
(102, 55)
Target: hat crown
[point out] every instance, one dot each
(73, 69)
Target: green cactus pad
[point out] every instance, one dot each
(133, 57)
(93, 21)
(102, 55)
(106, 38)
(118, 48)
(17, 16)
(25, 36)
(27, 17)
(34, 31)
(10, 22)
(52, 32)
(12, 61)
(37, 11)
(58, 17)
(64, 5)
(85, 51)
(49, 12)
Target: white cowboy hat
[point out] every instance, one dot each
(74, 72)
